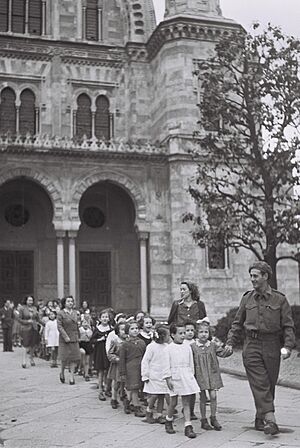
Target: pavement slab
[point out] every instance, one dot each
(37, 411)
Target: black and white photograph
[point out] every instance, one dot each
(149, 223)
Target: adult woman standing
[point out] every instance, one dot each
(29, 330)
(189, 307)
(68, 349)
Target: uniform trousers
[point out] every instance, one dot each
(261, 357)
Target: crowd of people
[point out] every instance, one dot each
(146, 365)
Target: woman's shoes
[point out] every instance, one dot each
(72, 382)
(61, 378)
(32, 363)
(24, 366)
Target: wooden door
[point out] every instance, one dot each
(95, 278)
(16, 274)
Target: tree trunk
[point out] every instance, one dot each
(271, 259)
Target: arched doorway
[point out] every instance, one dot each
(28, 241)
(108, 249)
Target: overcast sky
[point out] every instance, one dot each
(285, 13)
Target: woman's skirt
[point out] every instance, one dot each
(30, 337)
(69, 352)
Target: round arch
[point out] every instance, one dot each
(42, 179)
(121, 180)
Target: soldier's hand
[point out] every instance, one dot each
(228, 350)
(285, 353)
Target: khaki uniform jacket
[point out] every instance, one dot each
(269, 313)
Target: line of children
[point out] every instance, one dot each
(166, 363)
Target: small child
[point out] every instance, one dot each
(146, 325)
(190, 330)
(114, 358)
(131, 354)
(179, 374)
(152, 366)
(51, 337)
(101, 362)
(207, 373)
(86, 347)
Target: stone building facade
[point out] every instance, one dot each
(98, 106)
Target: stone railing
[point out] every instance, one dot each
(42, 143)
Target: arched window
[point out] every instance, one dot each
(83, 116)
(27, 113)
(102, 118)
(8, 111)
(18, 16)
(22, 16)
(4, 15)
(92, 24)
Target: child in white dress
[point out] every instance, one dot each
(152, 366)
(190, 332)
(51, 337)
(179, 374)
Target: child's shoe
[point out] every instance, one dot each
(101, 396)
(114, 404)
(205, 425)
(126, 406)
(138, 412)
(169, 427)
(161, 420)
(149, 418)
(87, 378)
(189, 432)
(215, 424)
(271, 428)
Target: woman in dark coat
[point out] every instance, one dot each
(68, 350)
(29, 330)
(189, 307)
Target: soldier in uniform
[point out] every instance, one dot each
(265, 315)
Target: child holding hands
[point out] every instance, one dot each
(179, 374)
(207, 372)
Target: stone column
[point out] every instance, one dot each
(44, 22)
(9, 16)
(72, 263)
(60, 235)
(143, 238)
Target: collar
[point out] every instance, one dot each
(264, 294)
(200, 344)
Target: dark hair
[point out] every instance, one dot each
(26, 298)
(174, 327)
(63, 301)
(193, 290)
(263, 267)
(190, 322)
(160, 334)
(117, 327)
(138, 312)
(54, 312)
(128, 325)
(105, 311)
(146, 316)
(88, 306)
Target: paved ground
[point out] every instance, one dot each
(37, 411)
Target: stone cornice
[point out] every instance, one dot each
(20, 47)
(136, 52)
(86, 148)
(190, 27)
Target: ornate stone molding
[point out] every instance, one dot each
(137, 52)
(51, 188)
(45, 143)
(190, 28)
(118, 178)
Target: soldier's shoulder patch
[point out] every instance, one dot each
(247, 292)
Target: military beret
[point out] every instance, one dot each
(263, 267)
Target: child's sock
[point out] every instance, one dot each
(169, 419)
(187, 424)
